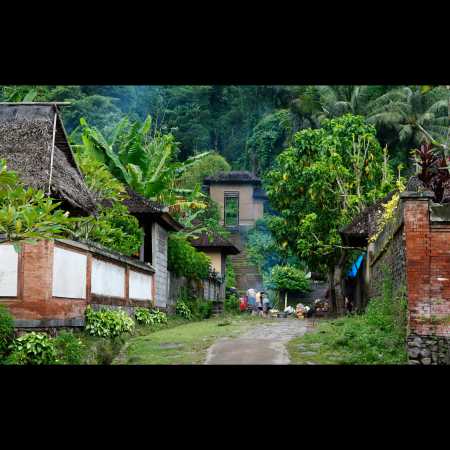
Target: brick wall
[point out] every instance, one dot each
(428, 278)
(36, 307)
(415, 249)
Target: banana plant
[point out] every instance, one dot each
(144, 158)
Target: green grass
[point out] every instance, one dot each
(184, 344)
(376, 337)
(99, 350)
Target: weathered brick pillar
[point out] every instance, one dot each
(37, 268)
(427, 267)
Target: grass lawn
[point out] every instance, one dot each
(312, 348)
(99, 350)
(183, 344)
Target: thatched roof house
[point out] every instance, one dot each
(144, 209)
(358, 232)
(26, 143)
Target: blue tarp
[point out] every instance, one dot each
(355, 267)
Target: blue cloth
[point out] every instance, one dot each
(355, 267)
(252, 301)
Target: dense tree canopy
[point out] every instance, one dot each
(320, 182)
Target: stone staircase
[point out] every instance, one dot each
(247, 275)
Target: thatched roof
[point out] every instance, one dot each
(365, 224)
(144, 208)
(216, 242)
(136, 203)
(26, 134)
(234, 176)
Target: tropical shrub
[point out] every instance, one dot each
(146, 316)
(6, 330)
(202, 309)
(114, 228)
(33, 348)
(230, 275)
(107, 323)
(28, 213)
(231, 304)
(289, 278)
(159, 317)
(69, 348)
(183, 309)
(185, 260)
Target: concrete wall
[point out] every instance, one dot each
(9, 271)
(159, 260)
(108, 279)
(49, 293)
(140, 286)
(216, 261)
(69, 273)
(250, 209)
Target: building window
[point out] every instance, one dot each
(231, 209)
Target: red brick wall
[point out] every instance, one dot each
(35, 302)
(427, 270)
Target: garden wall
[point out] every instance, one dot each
(212, 289)
(50, 283)
(388, 253)
(415, 248)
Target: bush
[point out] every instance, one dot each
(202, 309)
(146, 316)
(69, 348)
(6, 331)
(33, 348)
(377, 336)
(183, 309)
(185, 261)
(107, 323)
(159, 317)
(231, 304)
(289, 278)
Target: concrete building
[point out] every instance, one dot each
(241, 203)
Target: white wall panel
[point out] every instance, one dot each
(9, 260)
(140, 286)
(107, 279)
(69, 273)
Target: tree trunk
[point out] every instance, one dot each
(332, 304)
(338, 280)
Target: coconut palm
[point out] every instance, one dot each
(414, 114)
(338, 100)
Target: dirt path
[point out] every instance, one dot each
(263, 344)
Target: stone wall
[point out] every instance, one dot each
(388, 253)
(159, 260)
(212, 289)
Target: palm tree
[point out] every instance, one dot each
(415, 115)
(338, 100)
